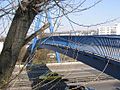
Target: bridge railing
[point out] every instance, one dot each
(111, 51)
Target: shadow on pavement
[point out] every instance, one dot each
(43, 79)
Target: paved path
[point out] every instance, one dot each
(22, 82)
(76, 73)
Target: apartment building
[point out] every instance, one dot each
(109, 30)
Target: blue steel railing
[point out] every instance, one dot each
(103, 46)
(99, 52)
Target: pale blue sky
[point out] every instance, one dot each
(105, 10)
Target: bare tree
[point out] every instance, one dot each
(21, 15)
(15, 39)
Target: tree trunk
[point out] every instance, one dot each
(14, 42)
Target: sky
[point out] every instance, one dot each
(104, 11)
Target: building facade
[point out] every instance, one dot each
(109, 30)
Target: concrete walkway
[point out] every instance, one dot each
(75, 72)
(22, 82)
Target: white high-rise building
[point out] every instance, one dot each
(109, 30)
(118, 29)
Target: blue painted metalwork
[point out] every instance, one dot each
(33, 44)
(58, 57)
(51, 31)
(50, 22)
(96, 51)
(95, 44)
(37, 27)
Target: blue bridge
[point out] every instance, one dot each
(99, 52)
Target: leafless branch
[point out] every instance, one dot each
(91, 25)
(42, 29)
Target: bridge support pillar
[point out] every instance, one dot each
(58, 57)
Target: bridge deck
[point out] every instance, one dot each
(100, 52)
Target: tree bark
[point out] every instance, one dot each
(42, 29)
(25, 52)
(14, 42)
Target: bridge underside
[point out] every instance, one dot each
(97, 57)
